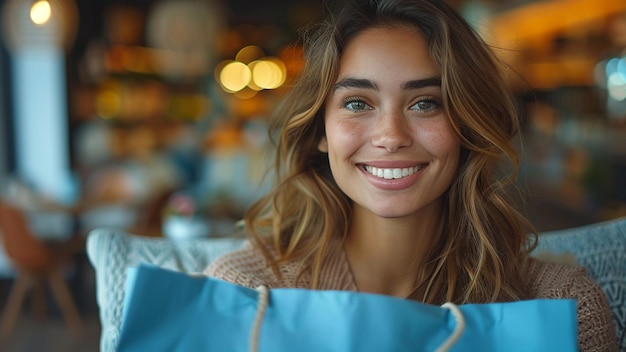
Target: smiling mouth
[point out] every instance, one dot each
(393, 173)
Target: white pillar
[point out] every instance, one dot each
(40, 121)
(37, 34)
(4, 134)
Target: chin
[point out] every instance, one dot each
(405, 209)
(391, 213)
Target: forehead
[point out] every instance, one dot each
(378, 50)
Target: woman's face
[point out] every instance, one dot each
(390, 146)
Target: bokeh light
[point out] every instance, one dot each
(235, 76)
(616, 78)
(617, 86)
(249, 53)
(269, 73)
(252, 84)
(251, 70)
(108, 104)
(40, 12)
(246, 93)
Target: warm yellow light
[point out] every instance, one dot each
(269, 73)
(235, 76)
(246, 93)
(40, 12)
(249, 53)
(218, 69)
(252, 85)
(108, 104)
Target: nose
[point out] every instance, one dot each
(392, 132)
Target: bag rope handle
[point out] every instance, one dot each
(458, 330)
(263, 301)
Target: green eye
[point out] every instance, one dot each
(426, 105)
(356, 105)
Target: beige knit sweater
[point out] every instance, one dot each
(596, 330)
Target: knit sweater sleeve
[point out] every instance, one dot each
(596, 330)
(245, 267)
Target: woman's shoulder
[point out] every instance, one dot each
(238, 266)
(552, 280)
(247, 266)
(558, 280)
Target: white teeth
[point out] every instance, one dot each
(389, 174)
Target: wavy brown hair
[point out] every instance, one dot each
(484, 243)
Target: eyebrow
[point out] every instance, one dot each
(422, 83)
(355, 83)
(368, 84)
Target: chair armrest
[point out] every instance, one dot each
(112, 251)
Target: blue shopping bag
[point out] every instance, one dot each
(171, 311)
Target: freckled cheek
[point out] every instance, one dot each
(439, 140)
(343, 135)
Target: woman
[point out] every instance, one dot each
(394, 153)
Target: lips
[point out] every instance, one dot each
(393, 173)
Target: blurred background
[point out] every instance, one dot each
(151, 116)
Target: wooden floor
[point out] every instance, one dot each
(49, 333)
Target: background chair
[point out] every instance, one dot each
(36, 264)
(149, 219)
(601, 248)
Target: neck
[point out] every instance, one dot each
(386, 254)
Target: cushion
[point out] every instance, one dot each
(600, 247)
(111, 252)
